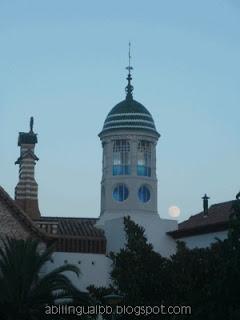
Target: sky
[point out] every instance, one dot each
(63, 62)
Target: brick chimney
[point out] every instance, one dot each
(205, 205)
(26, 191)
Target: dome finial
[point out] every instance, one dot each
(129, 87)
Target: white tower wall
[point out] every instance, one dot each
(133, 181)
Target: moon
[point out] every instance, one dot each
(174, 211)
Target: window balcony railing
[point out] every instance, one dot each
(119, 170)
(143, 171)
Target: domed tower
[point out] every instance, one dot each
(129, 138)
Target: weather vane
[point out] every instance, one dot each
(129, 67)
(129, 87)
(31, 124)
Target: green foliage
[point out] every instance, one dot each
(139, 274)
(98, 294)
(207, 279)
(24, 291)
(138, 271)
(234, 225)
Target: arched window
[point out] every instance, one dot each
(120, 192)
(144, 158)
(144, 194)
(121, 157)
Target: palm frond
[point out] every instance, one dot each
(23, 292)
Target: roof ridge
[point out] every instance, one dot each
(70, 218)
(21, 216)
(221, 203)
(213, 206)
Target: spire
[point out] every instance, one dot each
(129, 87)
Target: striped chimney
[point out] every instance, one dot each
(26, 191)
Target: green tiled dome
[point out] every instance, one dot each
(129, 106)
(129, 114)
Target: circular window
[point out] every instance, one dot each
(120, 192)
(144, 194)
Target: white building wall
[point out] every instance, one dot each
(204, 240)
(94, 268)
(155, 230)
(133, 181)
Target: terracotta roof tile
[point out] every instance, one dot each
(216, 220)
(74, 234)
(81, 227)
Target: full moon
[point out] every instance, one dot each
(174, 211)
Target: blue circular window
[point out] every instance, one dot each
(144, 194)
(120, 192)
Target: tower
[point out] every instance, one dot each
(129, 139)
(26, 191)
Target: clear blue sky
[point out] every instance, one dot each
(63, 62)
